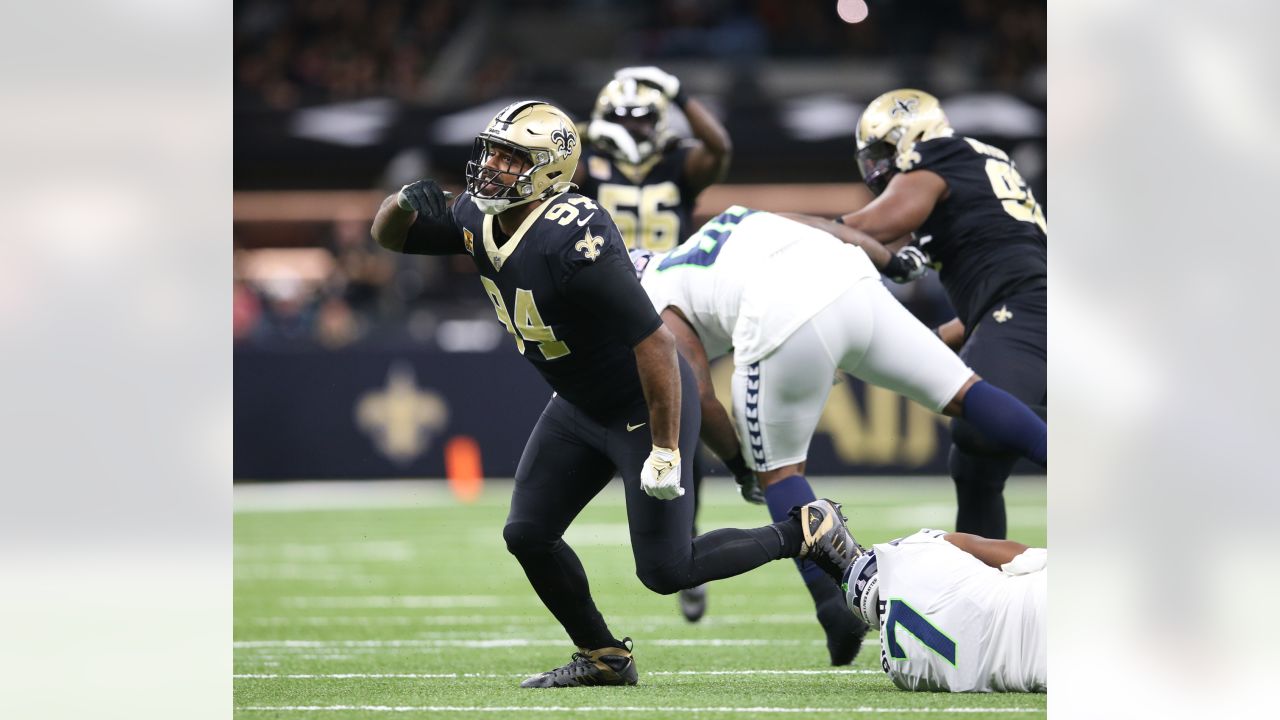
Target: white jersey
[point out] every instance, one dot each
(749, 279)
(950, 622)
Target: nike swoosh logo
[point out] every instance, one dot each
(631, 427)
(586, 220)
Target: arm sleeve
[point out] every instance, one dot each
(608, 288)
(427, 237)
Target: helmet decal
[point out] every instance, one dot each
(907, 160)
(904, 106)
(564, 139)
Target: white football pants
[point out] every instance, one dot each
(867, 333)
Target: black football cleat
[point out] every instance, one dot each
(826, 539)
(605, 666)
(693, 603)
(844, 630)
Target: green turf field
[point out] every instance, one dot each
(393, 600)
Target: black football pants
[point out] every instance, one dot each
(1012, 356)
(568, 460)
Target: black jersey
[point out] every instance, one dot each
(564, 287)
(650, 202)
(989, 234)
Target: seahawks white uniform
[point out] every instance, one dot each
(794, 303)
(950, 622)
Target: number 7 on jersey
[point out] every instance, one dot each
(903, 615)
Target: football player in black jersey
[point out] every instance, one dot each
(981, 227)
(649, 181)
(555, 268)
(636, 168)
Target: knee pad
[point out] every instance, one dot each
(663, 580)
(525, 538)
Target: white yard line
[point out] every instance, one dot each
(491, 620)
(499, 643)
(454, 676)
(391, 601)
(635, 709)
(364, 494)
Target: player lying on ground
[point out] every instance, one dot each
(648, 179)
(554, 266)
(956, 612)
(793, 304)
(977, 220)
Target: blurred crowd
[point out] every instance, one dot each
(327, 284)
(341, 288)
(296, 52)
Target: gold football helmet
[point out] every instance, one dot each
(529, 151)
(640, 110)
(889, 129)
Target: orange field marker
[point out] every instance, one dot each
(463, 468)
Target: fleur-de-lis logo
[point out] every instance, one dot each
(904, 106)
(402, 417)
(564, 139)
(907, 160)
(590, 245)
(1002, 315)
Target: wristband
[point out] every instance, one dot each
(666, 454)
(681, 99)
(737, 466)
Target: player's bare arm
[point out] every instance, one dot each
(659, 369)
(717, 429)
(391, 224)
(952, 333)
(400, 211)
(879, 253)
(885, 256)
(901, 208)
(991, 552)
(707, 163)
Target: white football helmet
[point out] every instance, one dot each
(863, 591)
(529, 151)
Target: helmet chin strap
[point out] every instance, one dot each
(492, 206)
(497, 206)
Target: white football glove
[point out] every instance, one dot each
(666, 82)
(603, 133)
(660, 476)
